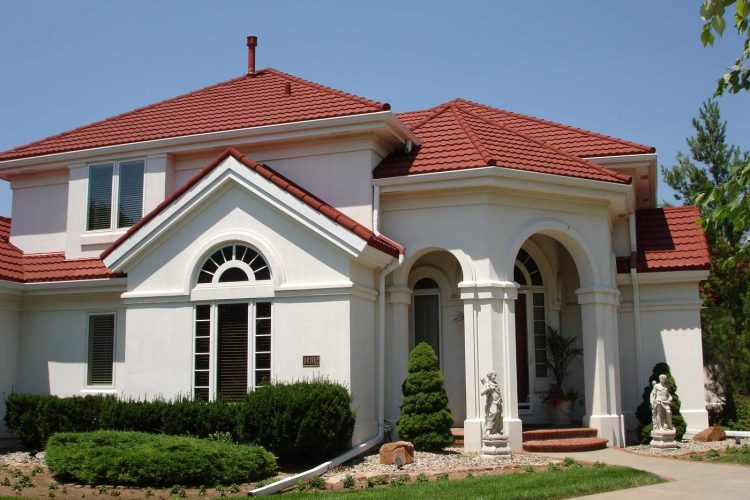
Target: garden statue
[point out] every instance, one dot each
(661, 405)
(662, 431)
(493, 406)
(494, 442)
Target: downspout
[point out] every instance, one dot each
(376, 210)
(378, 437)
(636, 300)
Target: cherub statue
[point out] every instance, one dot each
(493, 407)
(661, 405)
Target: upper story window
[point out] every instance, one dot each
(234, 263)
(115, 195)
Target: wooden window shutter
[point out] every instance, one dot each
(101, 349)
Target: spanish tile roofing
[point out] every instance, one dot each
(668, 239)
(461, 134)
(380, 242)
(265, 98)
(31, 268)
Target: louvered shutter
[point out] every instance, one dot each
(100, 197)
(232, 352)
(101, 349)
(130, 199)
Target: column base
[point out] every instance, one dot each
(513, 428)
(610, 427)
(473, 434)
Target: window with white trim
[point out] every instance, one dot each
(101, 349)
(528, 275)
(115, 198)
(232, 349)
(233, 264)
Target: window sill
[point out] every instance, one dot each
(97, 390)
(101, 238)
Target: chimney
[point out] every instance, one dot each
(252, 42)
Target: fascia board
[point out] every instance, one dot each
(232, 171)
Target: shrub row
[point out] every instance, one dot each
(139, 459)
(303, 420)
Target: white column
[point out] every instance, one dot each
(490, 344)
(601, 362)
(396, 348)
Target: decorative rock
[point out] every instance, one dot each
(664, 439)
(495, 446)
(715, 433)
(401, 449)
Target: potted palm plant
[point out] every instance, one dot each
(561, 352)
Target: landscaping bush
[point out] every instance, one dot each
(301, 421)
(140, 459)
(643, 412)
(425, 418)
(742, 422)
(35, 417)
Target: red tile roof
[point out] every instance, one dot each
(31, 268)
(668, 239)
(462, 134)
(268, 97)
(380, 242)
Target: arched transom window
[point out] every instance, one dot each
(526, 272)
(234, 264)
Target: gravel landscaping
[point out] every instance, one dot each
(687, 448)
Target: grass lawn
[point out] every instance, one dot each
(563, 483)
(732, 454)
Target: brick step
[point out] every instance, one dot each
(458, 436)
(545, 434)
(565, 445)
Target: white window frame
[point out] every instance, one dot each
(424, 292)
(100, 387)
(115, 201)
(214, 338)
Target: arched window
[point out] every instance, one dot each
(525, 266)
(234, 264)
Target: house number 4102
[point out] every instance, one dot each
(311, 361)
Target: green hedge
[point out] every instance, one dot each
(140, 459)
(742, 422)
(304, 420)
(299, 421)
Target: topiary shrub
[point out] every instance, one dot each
(139, 459)
(425, 418)
(301, 421)
(644, 414)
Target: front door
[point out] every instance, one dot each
(522, 355)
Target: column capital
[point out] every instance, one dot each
(598, 294)
(488, 290)
(399, 294)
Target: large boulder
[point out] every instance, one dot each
(401, 449)
(715, 433)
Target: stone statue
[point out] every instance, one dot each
(661, 405)
(493, 407)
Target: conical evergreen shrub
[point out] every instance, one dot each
(425, 418)
(643, 412)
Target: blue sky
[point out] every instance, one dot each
(632, 69)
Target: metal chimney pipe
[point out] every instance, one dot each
(252, 42)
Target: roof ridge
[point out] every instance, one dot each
(475, 140)
(383, 105)
(558, 125)
(434, 112)
(120, 115)
(546, 145)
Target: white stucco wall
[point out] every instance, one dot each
(10, 322)
(671, 333)
(39, 212)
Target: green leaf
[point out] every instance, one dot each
(743, 8)
(706, 36)
(719, 24)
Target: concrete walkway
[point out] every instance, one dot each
(685, 479)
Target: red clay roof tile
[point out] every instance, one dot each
(668, 239)
(247, 101)
(461, 134)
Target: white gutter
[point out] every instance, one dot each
(375, 440)
(636, 300)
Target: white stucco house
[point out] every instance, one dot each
(271, 228)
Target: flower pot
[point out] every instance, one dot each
(561, 412)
